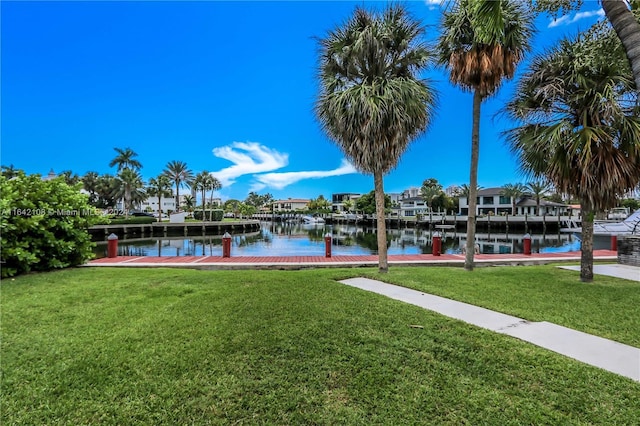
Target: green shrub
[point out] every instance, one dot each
(214, 215)
(43, 224)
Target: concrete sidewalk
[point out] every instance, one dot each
(593, 350)
(626, 272)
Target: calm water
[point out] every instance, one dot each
(286, 239)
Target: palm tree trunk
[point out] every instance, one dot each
(628, 29)
(127, 201)
(159, 204)
(586, 257)
(203, 202)
(383, 266)
(177, 197)
(473, 182)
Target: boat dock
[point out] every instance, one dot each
(163, 229)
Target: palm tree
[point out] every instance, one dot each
(9, 171)
(627, 27)
(215, 185)
(159, 187)
(371, 102)
(129, 188)
(125, 159)
(625, 21)
(90, 184)
(430, 191)
(348, 205)
(514, 191)
(538, 189)
(482, 41)
(69, 177)
(580, 125)
(189, 203)
(202, 182)
(179, 174)
(465, 190)
(106, 187)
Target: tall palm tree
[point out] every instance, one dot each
(580, 125)
(538, 189)
(125, 159)
(514, 191)
(371, 101)
(130, 188)
(179, 174)
(159, 187)
(627, 27)
(202, 182)
(623, 15)
(482, 41)
(215, 185)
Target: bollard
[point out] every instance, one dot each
(437, 244)
(112, 245)
(226, 245)
(327, 245)
(527, 244)
(614, 243)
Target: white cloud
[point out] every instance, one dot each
(281, 180)
(247, 158)
(567, 20)
(433, 4)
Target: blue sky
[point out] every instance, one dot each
(227, 87)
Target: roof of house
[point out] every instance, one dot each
(543, 203)
(293, 200)
(491, 191)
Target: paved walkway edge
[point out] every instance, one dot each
(607, 354)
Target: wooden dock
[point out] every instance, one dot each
(163, 229)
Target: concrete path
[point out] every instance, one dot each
(627, 272)
(593, 350)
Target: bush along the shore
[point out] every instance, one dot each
(215, 215)
(43, 224)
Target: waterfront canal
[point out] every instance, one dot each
(295, 239)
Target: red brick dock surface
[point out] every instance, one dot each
(294, 262)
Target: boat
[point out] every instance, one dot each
(312, 220)
(628, 226)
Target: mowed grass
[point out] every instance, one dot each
(164, 346)
(608, 307)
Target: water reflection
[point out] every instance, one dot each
(294, 239)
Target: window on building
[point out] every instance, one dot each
(505, 200)
(487, 200)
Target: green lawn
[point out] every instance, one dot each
(162, 346)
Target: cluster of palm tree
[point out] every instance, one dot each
(579, 115)
(578, 104)
(204, 182)
(129, 186)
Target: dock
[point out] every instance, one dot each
(163, 229)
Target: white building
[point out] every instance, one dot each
(412, 192)
(412, 207)
(491, 201)
(337, 201)
(291, 205)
